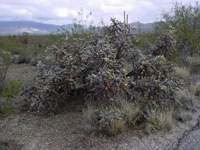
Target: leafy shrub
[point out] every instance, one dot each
(12, 89)
(7, 90)
(96, 70)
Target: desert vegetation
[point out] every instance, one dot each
(117, 79)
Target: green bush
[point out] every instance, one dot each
(11, 89)
(7, 90)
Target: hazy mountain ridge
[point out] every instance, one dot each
(143, 27)
(18, 27)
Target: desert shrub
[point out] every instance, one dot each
(95, 69)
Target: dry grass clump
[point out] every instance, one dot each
(106, 121)
(116, 126)
(183, 112)
(183, 73)
(159, 120)
(113, 120)
(130, 112)
(193, 60)
(194, 64)
(182, 116)
(89, 118)
(185, 99)
(197, 90)
(166, 120)
(110, 120)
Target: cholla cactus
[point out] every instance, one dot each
(95, 69)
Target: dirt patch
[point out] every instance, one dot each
(6, 144)
(37, 132)
(23, 72)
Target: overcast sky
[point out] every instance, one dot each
(64, 11)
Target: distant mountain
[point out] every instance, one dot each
(18, 27)
(142, 27)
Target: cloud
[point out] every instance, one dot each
(64, 11)
(23, 12)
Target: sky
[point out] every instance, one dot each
(67, 11)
